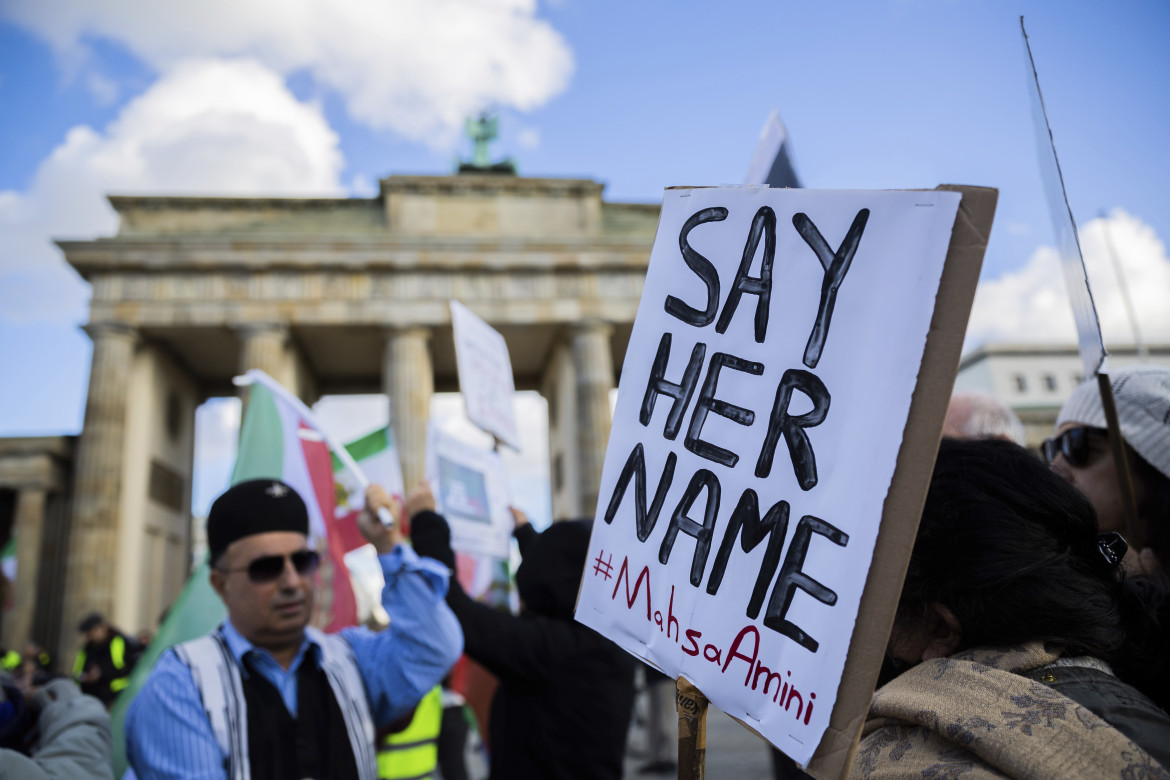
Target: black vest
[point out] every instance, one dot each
(314, 744)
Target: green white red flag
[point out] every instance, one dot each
(279, 439)
(376, 455)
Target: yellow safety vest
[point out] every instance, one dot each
(413, 753)
(117, 656)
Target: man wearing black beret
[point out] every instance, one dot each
(267, 696)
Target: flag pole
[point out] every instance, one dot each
(256, 376)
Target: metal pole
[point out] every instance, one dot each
(692, 730)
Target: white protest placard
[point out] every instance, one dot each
(471, 491)
(763, 398)
(485, 375)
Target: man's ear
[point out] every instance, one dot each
(218, 581)
(944, 632)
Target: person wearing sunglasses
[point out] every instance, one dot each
(267, 696)
(1080, 452)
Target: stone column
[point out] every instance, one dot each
(91, 578)
(593, 369)
(29, 527)
(265, 346)
(408, 378)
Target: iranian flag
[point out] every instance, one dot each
(279, 439)
(377, 456)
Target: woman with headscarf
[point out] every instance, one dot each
(1017, 642)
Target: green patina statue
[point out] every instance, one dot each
(482, 130)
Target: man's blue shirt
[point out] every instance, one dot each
(167, 731)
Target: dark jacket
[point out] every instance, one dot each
(114, 658)
(1120, 705)
(563, 706)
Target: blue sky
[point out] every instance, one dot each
(137, 95)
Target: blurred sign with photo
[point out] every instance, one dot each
(471, 491)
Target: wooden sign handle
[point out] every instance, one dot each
(692, 730)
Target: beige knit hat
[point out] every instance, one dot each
(1143, 410)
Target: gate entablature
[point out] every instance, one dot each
(334, 295)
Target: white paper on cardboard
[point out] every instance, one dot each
(763, 397)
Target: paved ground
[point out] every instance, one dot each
(733, 752)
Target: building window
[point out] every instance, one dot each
(1021, 383)
(1050, 383)
(166, 486)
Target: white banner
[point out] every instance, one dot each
(763, 398)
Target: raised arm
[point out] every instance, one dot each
(510, 647)
(423, 641)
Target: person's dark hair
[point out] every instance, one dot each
(90, 622)
(550, 575)
(1011, 549)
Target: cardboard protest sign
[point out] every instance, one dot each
(471, 491)
(766, 388)
(485, 375)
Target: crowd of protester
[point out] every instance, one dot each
(1032, 636)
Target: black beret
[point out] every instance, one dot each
(258, 506)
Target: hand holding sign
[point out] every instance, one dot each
(380, 504)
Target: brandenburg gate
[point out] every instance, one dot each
(329, 296)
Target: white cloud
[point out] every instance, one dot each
(1030, 304)
(215, 127)
(417, 67)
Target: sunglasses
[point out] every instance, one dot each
(1073, 444)
(269, 567)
